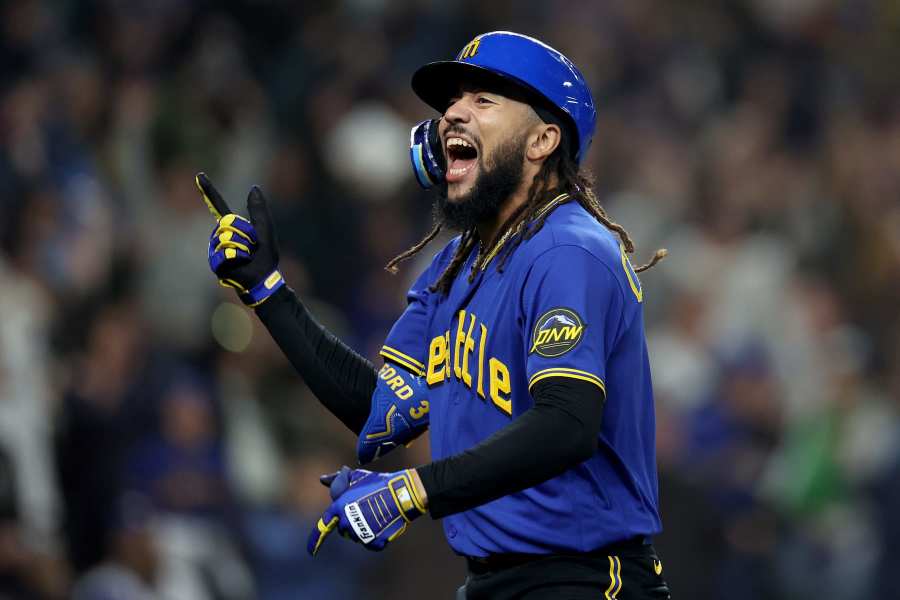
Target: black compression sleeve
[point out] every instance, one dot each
(341, 379)
(557, 433)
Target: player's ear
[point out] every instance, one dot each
(543, 141)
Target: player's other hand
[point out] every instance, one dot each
(243, 253)
(369, 508)
(398, 414)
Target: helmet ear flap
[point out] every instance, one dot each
(426, 154)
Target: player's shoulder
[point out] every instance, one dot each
(443, 256)
(570, 231)
(439, 262)
(432, 271)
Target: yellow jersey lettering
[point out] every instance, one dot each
(481, 342)
(468, 346)
(447, 354)
(404, 392)
(460, 338)
(488, 376)
(437, 361)
(396, 383)
(500, 385)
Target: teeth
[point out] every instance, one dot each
(455, 141)
(459, 170)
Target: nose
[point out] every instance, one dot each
(458, 111)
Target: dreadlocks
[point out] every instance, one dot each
(526, 221)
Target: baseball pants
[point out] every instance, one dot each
(629, 571)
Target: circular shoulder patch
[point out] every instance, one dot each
(556, 332)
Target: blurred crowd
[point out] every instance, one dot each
(154, 444)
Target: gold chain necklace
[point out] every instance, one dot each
(483, 259)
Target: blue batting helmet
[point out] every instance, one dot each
(525, 62)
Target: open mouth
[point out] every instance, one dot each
(461, 158)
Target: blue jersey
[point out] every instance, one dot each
(567, 304)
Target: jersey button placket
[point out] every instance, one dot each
(466, 302)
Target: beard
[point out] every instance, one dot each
(491, 189)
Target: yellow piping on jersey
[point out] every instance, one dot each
(566, 372)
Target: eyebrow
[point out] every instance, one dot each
(473, 89)
(497, 86)
(481, 89)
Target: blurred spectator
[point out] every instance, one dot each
(100, 419)
(181, 468)
(26, 572)
(277, 539)
(131, 564)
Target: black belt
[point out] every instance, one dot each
(498, 562)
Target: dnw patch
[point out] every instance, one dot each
(556, 332)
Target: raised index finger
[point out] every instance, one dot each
(214, 200)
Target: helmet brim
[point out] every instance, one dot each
(437, 82)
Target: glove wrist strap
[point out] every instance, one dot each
(404, 490)
(263, 290)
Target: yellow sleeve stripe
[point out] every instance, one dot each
(405, 356)
(404, 363)
(566, 372)
(404, 360)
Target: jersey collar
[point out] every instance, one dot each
(510, 234)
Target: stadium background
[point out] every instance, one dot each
(758, 140)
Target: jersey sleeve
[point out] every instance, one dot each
(407, 342)
(573, 312)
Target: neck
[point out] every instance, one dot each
(490, 228)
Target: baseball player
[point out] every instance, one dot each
(522, 347)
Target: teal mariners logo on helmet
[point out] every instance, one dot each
(556, 332)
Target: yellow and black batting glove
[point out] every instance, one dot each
(369, 508)
(243, 253)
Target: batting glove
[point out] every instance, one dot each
(399, 413)
(370, 508)
(243, 253)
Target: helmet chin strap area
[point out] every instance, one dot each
(428, 161)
